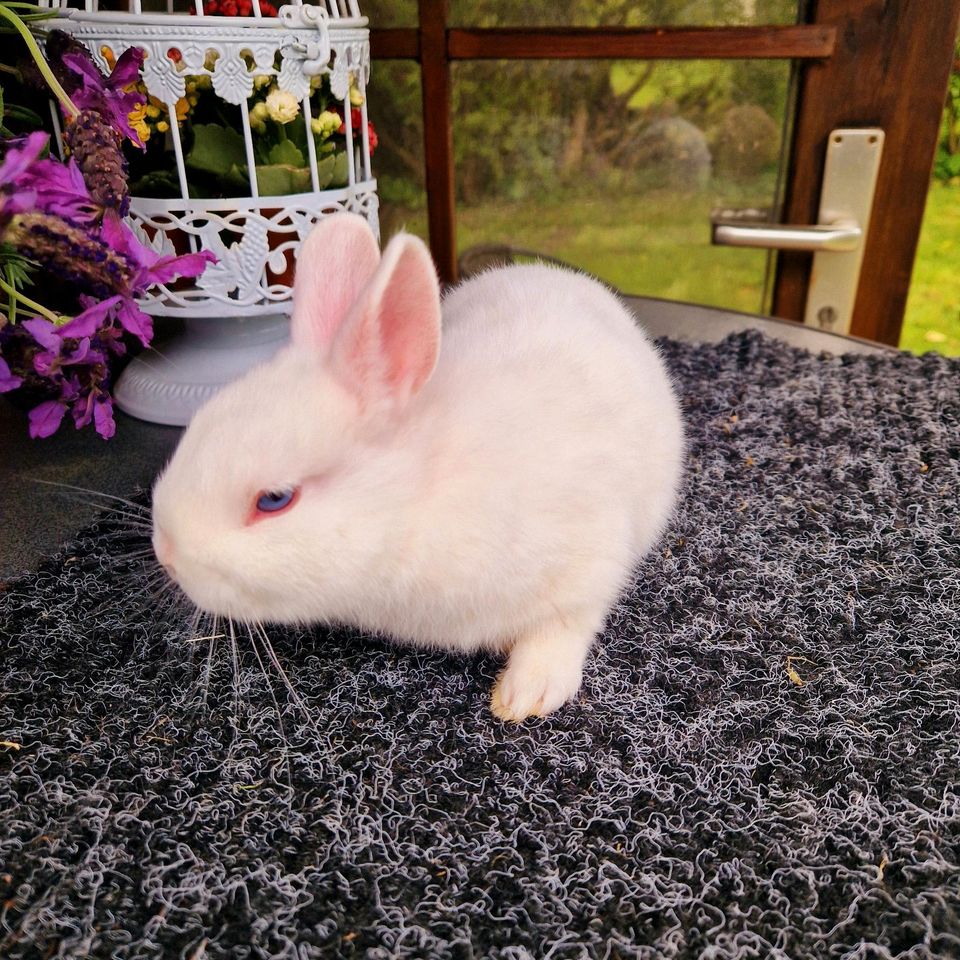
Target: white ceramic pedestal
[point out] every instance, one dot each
(170, 385)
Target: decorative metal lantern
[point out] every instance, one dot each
(235, 313)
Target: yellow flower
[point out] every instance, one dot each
(183, 109)
(325, 124)
(152, 111)
(137, 118)
(261, 81)
(163, 126)
(356, 97)
(282, 106)
(259, 114)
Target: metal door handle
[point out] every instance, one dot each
(840, 237)
(837, 240)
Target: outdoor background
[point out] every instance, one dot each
(617, 166)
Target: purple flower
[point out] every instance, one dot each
(46, 185)
(96, 147)
(77, 370)
(118, 308)
(45, 418)
(61, 190)
(53, 221)
(147, 268)
(7, 380)
(18, 158)
(152, 267)
(106, 95)
(96, 406)
(44, 332)
(50, 360)
(17, 161)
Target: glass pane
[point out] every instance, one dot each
(932, 319)
(616, 167)
(395, 108)
(390, 13)
(591, 13)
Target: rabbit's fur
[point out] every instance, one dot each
(493, 494)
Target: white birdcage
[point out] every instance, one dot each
(236, 311)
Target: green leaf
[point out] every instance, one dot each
(297, 132)
(325, 171)
(279, 179)
(339, 177)
(237, 178)
(215, 149)
(16, 266)
(274, 180)
(287, 153)
(157, 184)
(261, 151)
(13, 112)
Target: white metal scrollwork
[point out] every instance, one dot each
(255, 237)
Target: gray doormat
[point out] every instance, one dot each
(763, 761)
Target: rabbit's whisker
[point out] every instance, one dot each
(235, 657)
(139, 508)
(268, 646)
(276, 705)
(209, 660)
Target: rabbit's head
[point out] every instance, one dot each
(285, 486)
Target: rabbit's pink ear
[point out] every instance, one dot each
(335, 263)
(388, 347)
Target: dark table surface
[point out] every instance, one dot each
(36, 518)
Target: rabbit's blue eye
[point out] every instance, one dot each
(270, 501)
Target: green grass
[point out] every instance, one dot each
(655, 244)
(658, 244)
(932, 320)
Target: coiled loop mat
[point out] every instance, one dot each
(763, 761)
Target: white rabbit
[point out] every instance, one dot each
(493, 495)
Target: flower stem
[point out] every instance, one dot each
(15, 295)
(40, 60)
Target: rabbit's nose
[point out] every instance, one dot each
(163, 548)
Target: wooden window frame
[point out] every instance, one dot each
(829, 52)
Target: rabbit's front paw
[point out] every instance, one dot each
(535, 685)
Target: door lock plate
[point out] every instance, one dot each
(849, 182)
(838, 237)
